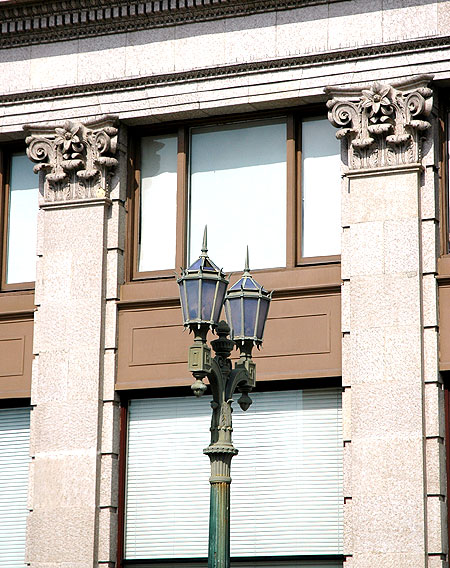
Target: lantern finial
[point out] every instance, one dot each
(205, 240)
(246, 308)
(247, 268)
(202, 291)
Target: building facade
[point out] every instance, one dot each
(314, 131)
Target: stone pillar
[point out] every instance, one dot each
(394, 472)
(74, 424)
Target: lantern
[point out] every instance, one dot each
(202, 290)
(246, 309)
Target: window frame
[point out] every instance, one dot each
(294, 198)
(443, 123)
(162, 392)
(6, 153)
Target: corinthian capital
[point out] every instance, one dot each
(383, 124)
(77, 159)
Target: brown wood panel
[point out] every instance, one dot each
(284, 282)
(302, 340)
(16, 342)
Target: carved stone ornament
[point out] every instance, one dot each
(384, 125)
(77, 159)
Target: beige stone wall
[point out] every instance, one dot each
(395, 492)
(75, 418)
(340, 43)
(393, 408)
(384, 373)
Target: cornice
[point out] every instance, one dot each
(35, 22)
(133, 83)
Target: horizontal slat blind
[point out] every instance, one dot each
(286, 495)
(14, 459)
(272, 562)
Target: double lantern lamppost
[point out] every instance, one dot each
(203, 292)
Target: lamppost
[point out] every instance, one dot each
(203, 293)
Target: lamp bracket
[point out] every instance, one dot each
(199, 360)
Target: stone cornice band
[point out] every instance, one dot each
(228, 70)
(32, 22)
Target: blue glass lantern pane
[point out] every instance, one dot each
(234, 316)
(221, 289)
(183, 301)
(250, 310)
(263, 309)
(237, 286)
(192, 296)
(208, 291)
(196, 265)
(250, 284)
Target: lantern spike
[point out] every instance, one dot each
(247, 267)
(205, 241)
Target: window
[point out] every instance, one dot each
(444, 168)
(20, 207)
(286, 495)
(14, 460)
(272, 184)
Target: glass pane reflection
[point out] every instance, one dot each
(22, 221)
(250, 309)
(192, 296)
(321, 189)
(238, 180)
(157, 232)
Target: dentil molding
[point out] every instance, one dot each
(28, 22)
(77, 159)
(383, 124)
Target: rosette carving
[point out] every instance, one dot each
(383, 125)
(77, 159)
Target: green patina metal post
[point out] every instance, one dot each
(221, 451)
(202, 291)
(223, 381)
(219, 525)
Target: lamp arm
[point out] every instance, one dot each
(216, 380)
(239, 379)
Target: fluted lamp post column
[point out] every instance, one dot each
(203, 293)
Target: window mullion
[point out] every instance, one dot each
(135, 184)
(182, 198)
(291, 196)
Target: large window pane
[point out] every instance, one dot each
(22, 221)
(321, 189)
(286, 495)
(157, 234)
(238, 188)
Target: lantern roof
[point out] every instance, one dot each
(203, 262)
(247, 282)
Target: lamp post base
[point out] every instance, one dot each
(219, 511)
(219, 526)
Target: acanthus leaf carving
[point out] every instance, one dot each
(77, 159)
(383, 124)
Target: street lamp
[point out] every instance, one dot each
(202, 292)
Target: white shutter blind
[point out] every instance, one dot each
(14, 459)
(286, 495)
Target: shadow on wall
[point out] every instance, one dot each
(316, 12)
